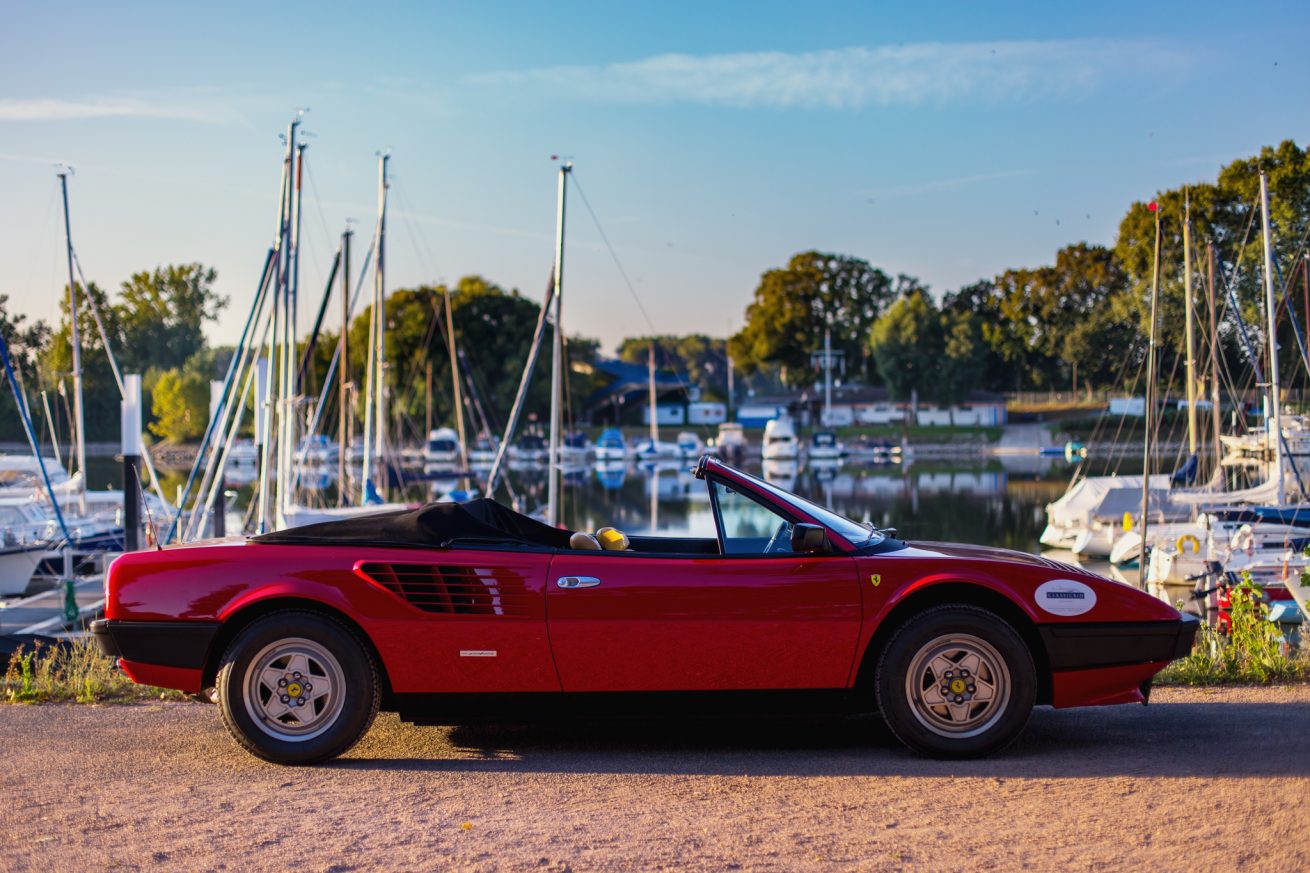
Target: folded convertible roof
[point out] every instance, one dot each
(429, 526)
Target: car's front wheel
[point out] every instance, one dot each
(956, 681)
(297, 688)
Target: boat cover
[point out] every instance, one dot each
(1074, 508)
(430, 526)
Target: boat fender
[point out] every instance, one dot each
(1243, 540)
(1188, 543)
(1128, 521)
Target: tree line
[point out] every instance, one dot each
(1080, 321)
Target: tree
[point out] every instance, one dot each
(906, 343)
(1226, 213)
(981, 300)
(493, 333)
(25, 340)
(702, 360)
(792, 305)
(162, 314)
(180, 405)
(959, 370)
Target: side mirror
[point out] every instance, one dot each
(809, 538)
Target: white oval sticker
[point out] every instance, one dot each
(1065, 597)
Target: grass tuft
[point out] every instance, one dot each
(76, 671)
(1254, 651)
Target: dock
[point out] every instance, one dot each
(44, 614)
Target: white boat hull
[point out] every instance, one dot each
(17, 563)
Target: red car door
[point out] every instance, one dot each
(475, 622)
(747, 619)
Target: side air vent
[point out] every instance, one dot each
(452, 590)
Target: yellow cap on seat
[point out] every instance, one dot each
(611, 539)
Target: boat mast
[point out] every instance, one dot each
(1150, 399)
(78, 415)
(380, 295)
(374, 389)
(1190, 329)
(343, 364)
(268, 375)
(1216, 419)
(454, 376)
(827, 376)
(1275, 424)
(728, 353)
(283, 331)
(557, 359)
(654, 417)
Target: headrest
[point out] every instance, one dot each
(584, 540)
(611, 539)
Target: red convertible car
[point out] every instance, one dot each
(452, 613)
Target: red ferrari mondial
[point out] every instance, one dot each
(459, 612)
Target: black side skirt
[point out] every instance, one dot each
(456, 709)
(163, 643)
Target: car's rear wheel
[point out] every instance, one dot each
(956, 681)
(297, 688)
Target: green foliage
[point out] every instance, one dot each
(960, 369)
(1253, 651)
(180, 405)
(702, 360)
(75, 671)
(156, 324)
(906, 343)
(493, 333)
(161, 315)
(1043, 323)
(785, 321)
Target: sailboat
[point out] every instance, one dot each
(1267, 536)
(375, 455)
(653, 448)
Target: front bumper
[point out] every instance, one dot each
(181, 644)
(1091, 645)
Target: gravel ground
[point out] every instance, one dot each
(1200, 780)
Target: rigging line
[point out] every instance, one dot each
(682, 383)
(113, 365)
(424, 251)
(313, 191)
(613, 254)
(33, 264)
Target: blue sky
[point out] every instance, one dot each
(714, 140)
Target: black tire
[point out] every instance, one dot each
(981, 710)
(303, 648)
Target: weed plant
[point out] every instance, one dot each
(1254, 652)
(75, 671)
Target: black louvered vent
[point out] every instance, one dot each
(453, 590)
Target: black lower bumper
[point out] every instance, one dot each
(1087, 645)
(164, 643)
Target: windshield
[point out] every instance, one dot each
(853, 532)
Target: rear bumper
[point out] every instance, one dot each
(177, 644)
(1095, 645)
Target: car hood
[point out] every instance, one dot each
(986, 553)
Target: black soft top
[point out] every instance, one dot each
(436, 524)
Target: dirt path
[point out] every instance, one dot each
(1200, 780)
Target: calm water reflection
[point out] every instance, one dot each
(988, 501)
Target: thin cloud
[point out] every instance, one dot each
(908, 74)
(57, 109)
(934, 185)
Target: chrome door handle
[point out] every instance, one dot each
(577, 582)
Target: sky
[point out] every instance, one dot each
(712, 141)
